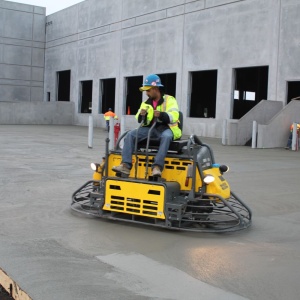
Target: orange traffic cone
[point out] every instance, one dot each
(128, 110)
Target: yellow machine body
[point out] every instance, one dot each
(137, 198)
(219, 186)
(176, 169)
(97, 176)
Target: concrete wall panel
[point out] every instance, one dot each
(62, 41)
(17, 6)
(37, 84)
(151, 17)
(62, 24)
(38, 57)
(15, 93)
(2, 21)
(83, 16)
(175, 11)
(37, 93)
(17, 55)
(144, 7)
(83, 62)
(14, 82)
(166, 54)
(18, 25)
(115, 27)
(212, 3)
(224, 104)
(234, 35)
(194, 6)
(16, 42)
(289, 45)
(134, 57)
(1, 52)
(62, 58)
(128, 23)
(103, 57)
(104, 12)
(39, 10)
(147, 48)
(40, 45)
(37, 74)
(22, 31)
(56, 113)
(39, 23)
(15, 72)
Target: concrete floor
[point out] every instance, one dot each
(54, 253)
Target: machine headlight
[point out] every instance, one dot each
(208, 179)
(94, 166)
(224, 169)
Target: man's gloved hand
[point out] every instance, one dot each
(143, 112)
(156, 114)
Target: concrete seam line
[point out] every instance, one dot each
(12, 288)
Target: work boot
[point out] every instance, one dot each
(122, 168)
(156, 171)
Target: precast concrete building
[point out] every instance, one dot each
(227, 62)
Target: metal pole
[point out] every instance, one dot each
(254, 135)
(122, 125)
(294, 138)
(111, 133)
(90, 138)
(224, 135)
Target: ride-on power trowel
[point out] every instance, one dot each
(191, 194)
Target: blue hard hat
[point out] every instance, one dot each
(150, 81)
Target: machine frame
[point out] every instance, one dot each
(191, 195)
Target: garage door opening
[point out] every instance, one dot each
(107, 95)
(133, 95)
(250, 87)
(169, 82)
(86, 92)
(203, 94)
(63, 85)
(293, 88)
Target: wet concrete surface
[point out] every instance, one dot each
(55, 253)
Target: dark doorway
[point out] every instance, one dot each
(63, 85)
(169, 83)
(133, 95)
(107, 94)
(293, 88)
(203, 94)
(250, 87)
(86, 96)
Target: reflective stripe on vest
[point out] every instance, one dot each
(164, 106)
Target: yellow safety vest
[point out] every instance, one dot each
(169, 106)
(110, 114)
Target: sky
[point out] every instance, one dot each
(52, 6)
